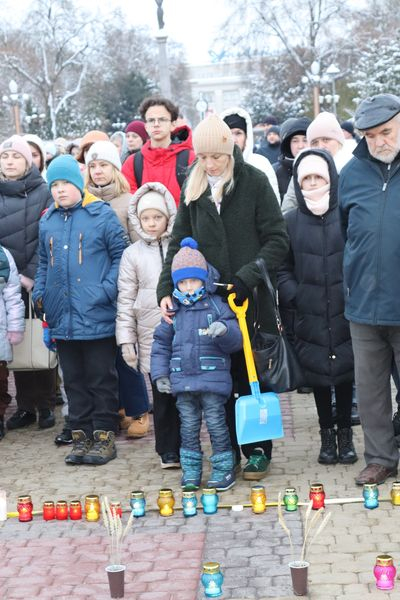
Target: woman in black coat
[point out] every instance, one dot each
(310, 285)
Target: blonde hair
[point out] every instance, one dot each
(121, 184)
(197, 182)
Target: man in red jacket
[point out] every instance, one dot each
(167, 154)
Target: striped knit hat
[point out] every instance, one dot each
(188, 262)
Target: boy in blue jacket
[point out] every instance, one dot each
(80, 246)
(190, 358)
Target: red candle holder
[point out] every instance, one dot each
(75, 510)
(61, 510)
(49, 511)
(116, 509)
(317, 495)
(24, 508)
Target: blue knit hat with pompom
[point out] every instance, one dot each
(188, 262)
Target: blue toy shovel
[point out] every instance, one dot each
(258, 416)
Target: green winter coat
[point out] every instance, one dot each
(250, 225)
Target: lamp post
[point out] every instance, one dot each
(15, 100)
(332, 73)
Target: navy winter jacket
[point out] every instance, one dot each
(79, 254)
(369, 198)
(192, 360)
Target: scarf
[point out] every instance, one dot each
(105, 192)
(317, 201)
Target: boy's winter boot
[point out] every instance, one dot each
(346, 450)
(223, 471)
(103, 449)
(191, 463)
(139, 426)
(328, 452)
(124, 420)
(81, 445)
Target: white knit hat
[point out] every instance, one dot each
(104, 151)
(213, 135)
(154, 200)
(325, 125)
(312, 164)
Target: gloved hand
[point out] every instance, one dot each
(164, 385)
(26, 282)
(240, 289)
(48, 341)
(38, 308)
(15, 337)
(129, 355)
(217, 329)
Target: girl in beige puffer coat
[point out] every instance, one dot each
(151, 215)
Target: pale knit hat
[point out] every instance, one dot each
(16, 143)
(104, 151)
(154, 200)
(213, 135)
(325, 125)
(312, 164)
(88, 139)
(188, 262)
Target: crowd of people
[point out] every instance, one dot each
(126, 244)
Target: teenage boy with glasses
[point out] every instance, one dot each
(166, 155)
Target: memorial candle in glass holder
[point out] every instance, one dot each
(258, 499)
(395, 493)
(371, 495)
(115, 508)
(166, 502)
(3, 505)
(189, 503)
(24, 508)
(61, 510)
(317, 495)
(92, 508)
(212, 580)
(209, 500)
(49, 510)
(138, 503)
(385, 572)
(290, 499)
(75, 510)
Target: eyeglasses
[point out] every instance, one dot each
(161, 121)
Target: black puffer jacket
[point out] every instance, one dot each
(21, 205)
(311, 284)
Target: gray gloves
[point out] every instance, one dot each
(217, 329)
(164, 385)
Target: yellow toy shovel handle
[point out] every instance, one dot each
(240, 312)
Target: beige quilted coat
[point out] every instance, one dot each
(137, 311)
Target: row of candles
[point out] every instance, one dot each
(209, 501)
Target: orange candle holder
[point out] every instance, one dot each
(61, 510)
(317, 495)
(75, 510)
(24, 508)
(49, 511)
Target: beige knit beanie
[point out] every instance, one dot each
(325, 125)
(213, 135)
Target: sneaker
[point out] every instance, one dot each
(103, 449)
(46, 418)
(65, 437)
(139, 426)
(170, 460)
(257, 466)
(82, 445)
(21, 418)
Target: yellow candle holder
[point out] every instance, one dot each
(166, 502)
(395, 493)
(258, 499)
(92, 508)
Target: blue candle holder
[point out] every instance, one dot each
(212, 580)
(209, 500)
(189, 504)
(138, 503)
(371, 495)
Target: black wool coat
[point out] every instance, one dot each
(310, 283)
(250, 225)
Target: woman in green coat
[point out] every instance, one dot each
(230, 209)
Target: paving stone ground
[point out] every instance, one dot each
(59, 560)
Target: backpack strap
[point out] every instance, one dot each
(138, 167)
(182, 163)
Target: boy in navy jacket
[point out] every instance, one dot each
(191, 359)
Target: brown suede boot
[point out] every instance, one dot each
(139, 426)
(124, 421)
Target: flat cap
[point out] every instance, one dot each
(375, 110)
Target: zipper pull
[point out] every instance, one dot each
(384, 186)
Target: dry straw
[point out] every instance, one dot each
(113, 524)
(313, 526)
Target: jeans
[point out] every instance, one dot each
(190, 407)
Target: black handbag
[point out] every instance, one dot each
(276, 362)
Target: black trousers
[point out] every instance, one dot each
(323, 402)
(166, 422)
(36, 389)
(91, 383)
(241, 386)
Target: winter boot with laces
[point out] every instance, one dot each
(223, 471)
(347, 453)
(191, 463)
(81, 445)
(328, 452)
(103, 449)
(139, 426)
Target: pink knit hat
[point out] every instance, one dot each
(312, 164)
(18, 144)
(325, 125)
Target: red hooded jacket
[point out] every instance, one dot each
(159, 164)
